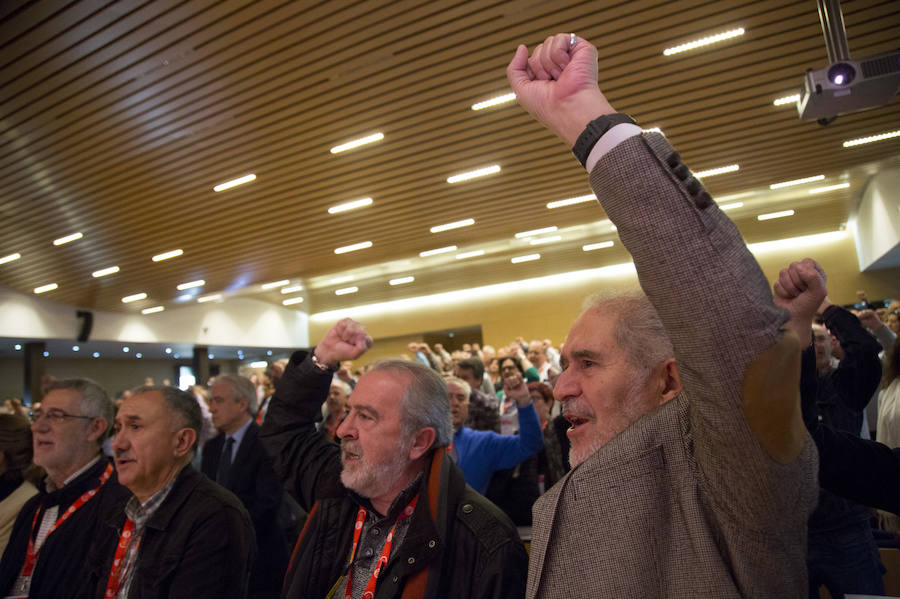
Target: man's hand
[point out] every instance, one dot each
(515, 388)
(801, 290)
(870, 320)
(558, 86)
(347, 340)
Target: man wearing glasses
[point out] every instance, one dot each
(44, 557)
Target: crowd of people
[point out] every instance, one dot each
(654, 454)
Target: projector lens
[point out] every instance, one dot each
(841, 73)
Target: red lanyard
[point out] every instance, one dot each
(385, 553)
(112, 585)
(32, 553)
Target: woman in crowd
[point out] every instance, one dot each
(18, 476)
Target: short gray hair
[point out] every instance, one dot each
(639, 331)
(455, 380)
(342, 385)
(95, 401)
(426, 402)
(241, 388)
(182, 403)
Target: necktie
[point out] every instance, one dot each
(224, 471)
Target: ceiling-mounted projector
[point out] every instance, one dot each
(845, 85)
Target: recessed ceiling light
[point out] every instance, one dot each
(17, 346)
(505, 98)
(126, 349)
(235, 182)
(731, 206)
(210, 298)
(570, 201)
(717, 171)
(528, 258)
(10, 258)
(357, 142)
(480, 172)
(792, 99)
(468, 222)
(844, 185)
(349, 205)
(872, 138)
(711, 39)
(772, 215)
(346, 290)
(152, 310)
(46, 288)
(543, 240)
(67, 238)
(168, 350)
(46, 354)
(402, 280)
(167, 255)
(75, 348)
(275, 284)
(96, 354)
(211, 356)
(339, 280)
(436, 251)
(796, 182)
(596, 246)
(191, 285)
(292, 289)
(139, 355)
(291, 301)
(353, 247)
(105, 271)
(472, 254)
(535, 232)
(133, 298)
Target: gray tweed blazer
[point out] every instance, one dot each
(685, 502)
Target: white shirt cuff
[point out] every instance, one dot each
(610, 140)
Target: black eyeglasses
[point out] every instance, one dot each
(55, 415)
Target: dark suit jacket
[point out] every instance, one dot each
(254, 482)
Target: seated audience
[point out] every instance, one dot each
(389, 512)
(18, 475)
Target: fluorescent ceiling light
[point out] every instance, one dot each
(235, 182)
(787, 100)
(259, 364)
(797, 243)
(712, 39)
(570, 201)
(528, 258)
(731, 206)
(535, 232)
(167, 255)
(67, 238)
(352, 248)
(494, 101)
(542, 240)
(772, 215)
(152, 310)
(10, 258)
(291, 301)
(357, 142)
(867, 140)
(292, 289)
(597, 246)
(185, 297)
(402, 280)
(339, 280)
(796, 182)
(349, 205)
(191, 285)
(481, 172)
(844, 185)
(346, 290)
(717, 171)
(209, 298)
(454, 225)
(134, 298)
(436, 251)
(275, 284)
(46, 288)
(472, 254)
(613, 228)
(652, 130)
(105, 271)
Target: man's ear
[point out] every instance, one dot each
(97, 428)
(422, 442)
(184, 441)
(668, 380)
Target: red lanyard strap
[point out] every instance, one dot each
(385, 552)
(32, 553)
(115, 573)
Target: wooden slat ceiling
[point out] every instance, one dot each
(118, 118)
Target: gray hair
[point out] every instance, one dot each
(95, 401)
(426, 402)
(454, 380)
(241, 388)
(342, 385)
(639, 332)
(182, 403)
